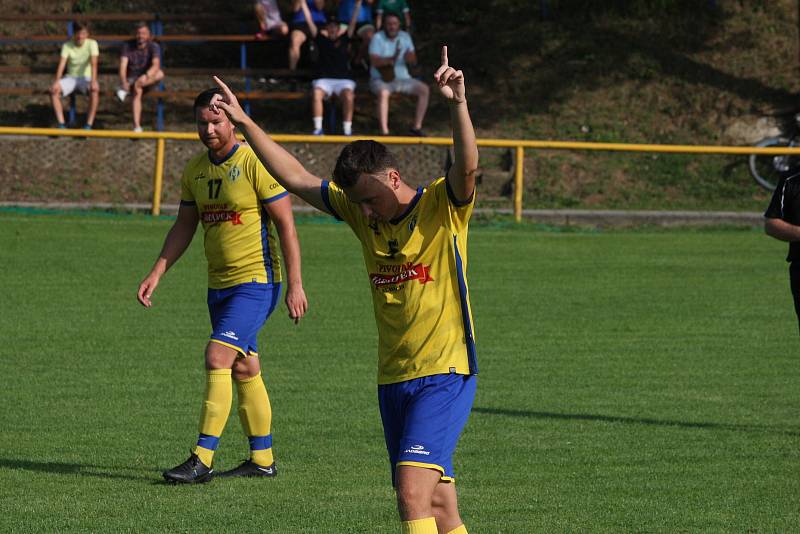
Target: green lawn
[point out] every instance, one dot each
(641, 381)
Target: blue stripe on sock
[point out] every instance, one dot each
(259, 443)
(208, 442)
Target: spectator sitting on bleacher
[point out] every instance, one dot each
(397, 7)
(139, 68)
(300, 31)
(333, 68)
(364, 27)
(269, 18)
(79, 57)
(391, 52)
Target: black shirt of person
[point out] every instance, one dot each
(334, 60)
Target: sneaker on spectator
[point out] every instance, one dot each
(122, 94)
(319, 131)
(416, 132)
(87, 126)
(138, 129)
(61, 126)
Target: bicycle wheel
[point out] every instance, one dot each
(767, 169)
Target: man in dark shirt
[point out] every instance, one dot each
(782, 221)
(333, 68)
(139, 68)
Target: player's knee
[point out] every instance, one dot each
(55, 91)
(347, 96)
(410, 497)
(244, 368)
(384, 94)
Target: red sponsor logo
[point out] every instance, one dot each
(210, 217)
(405, 273)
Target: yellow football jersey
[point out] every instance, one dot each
(240, 239)
(417, 268)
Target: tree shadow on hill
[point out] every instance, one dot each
(82, 470)
(528, 64)
(637, 421)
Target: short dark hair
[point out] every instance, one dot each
(391, 14)
(141, 24)
(79, 25)
(361, 157)
(204, 99)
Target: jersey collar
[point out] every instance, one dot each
(410, 207)
(228, 156)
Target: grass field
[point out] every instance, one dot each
(641, 381)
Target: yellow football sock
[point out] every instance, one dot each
(419, 526)
(214, 415)
(459, 530)
(255, 413)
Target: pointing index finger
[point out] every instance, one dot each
(444, 55)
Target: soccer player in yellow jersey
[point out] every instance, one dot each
(239, 205)
(414, 244)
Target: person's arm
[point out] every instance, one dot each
(280, 211)
(410, 56)
(351, 27)
(781, 230)
(62, 65)
(175, 244)
(123, 73)
(289, 172)
(95, 80)
(461, 176)
(310, 21)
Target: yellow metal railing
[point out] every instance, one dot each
(519, 145)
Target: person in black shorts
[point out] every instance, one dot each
(782, 221)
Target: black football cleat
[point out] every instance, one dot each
(251, 469)
(192, 471)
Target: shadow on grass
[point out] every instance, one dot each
(636, 421)
(63, 468)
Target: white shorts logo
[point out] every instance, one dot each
(417, 449)
(230, 334)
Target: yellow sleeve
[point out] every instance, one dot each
(187, 195)
(94, 50)
(65, 50)
(266, 187)
(454, 213)
(339, 205)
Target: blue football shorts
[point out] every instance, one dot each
(423, 419)
(238, 313)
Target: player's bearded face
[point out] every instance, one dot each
(214, 128)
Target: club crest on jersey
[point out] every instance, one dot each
(412, 223)
(234, 173)
(200, 176)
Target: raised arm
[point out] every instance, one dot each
(461, 175)
(289, 172)
(310, 20)
(175, 244)
(280, 212)
(351, 27)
